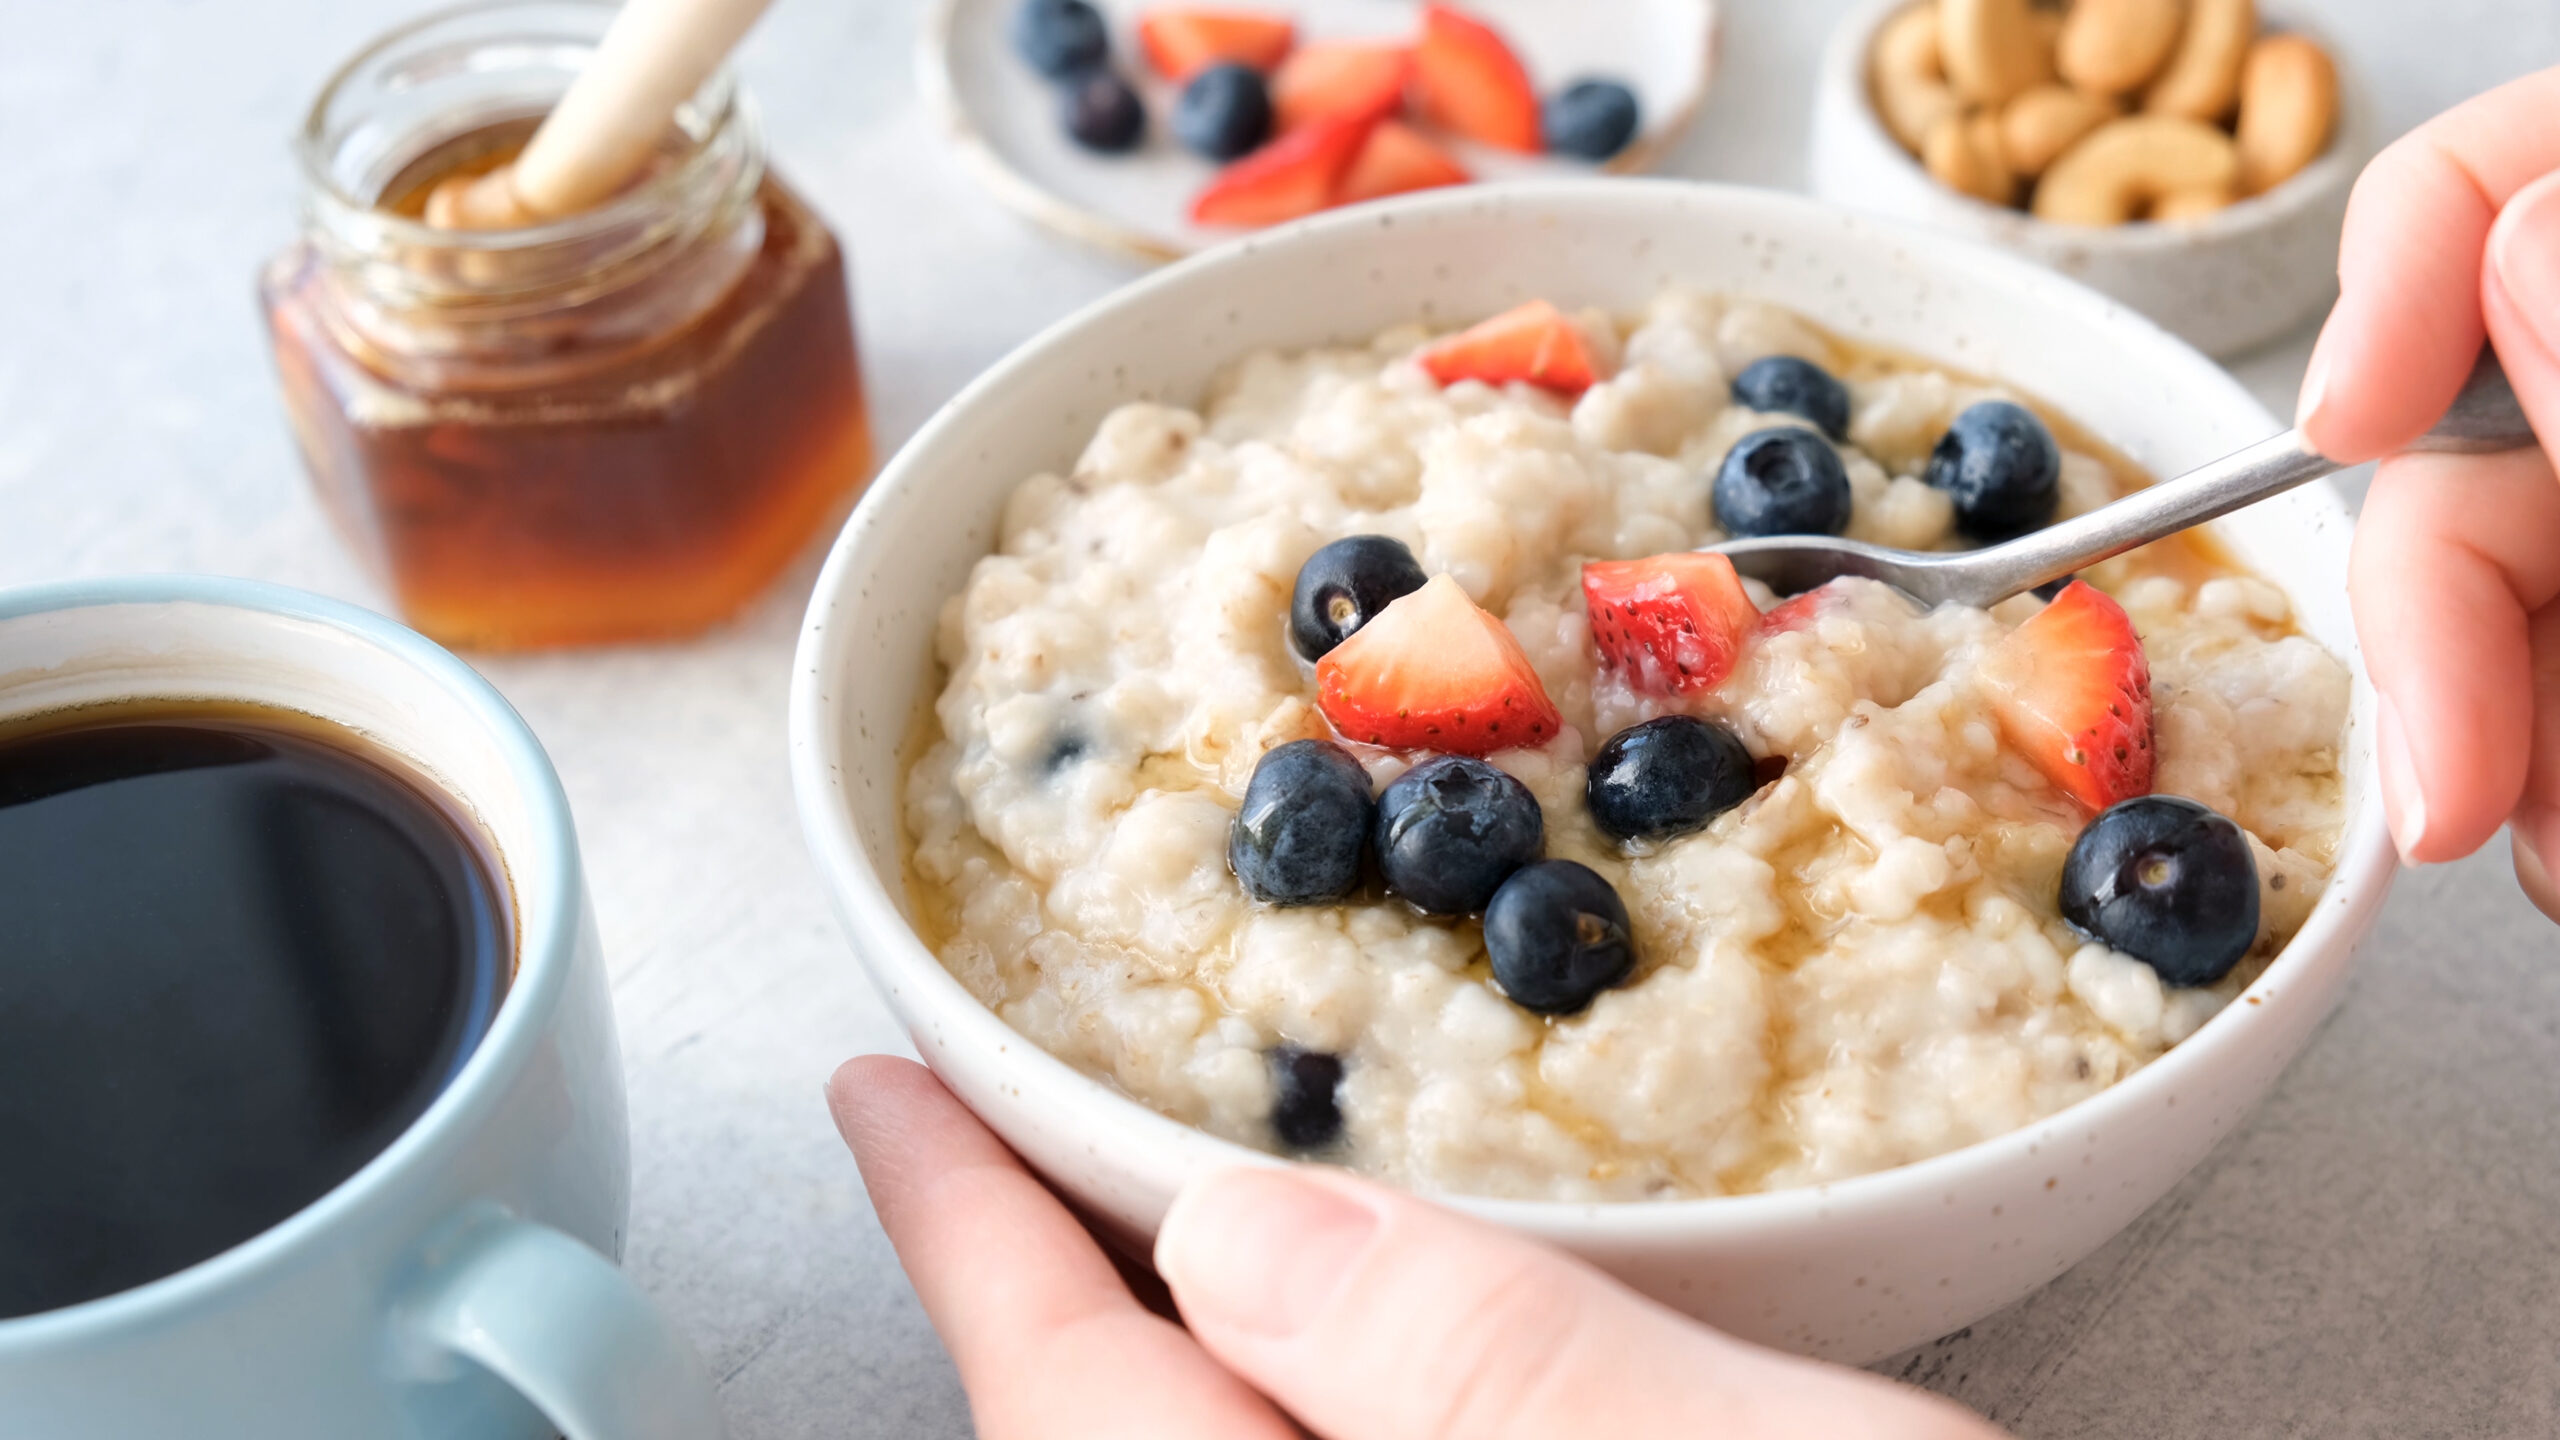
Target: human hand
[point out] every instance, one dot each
(1363, 1313)
(2453, 234)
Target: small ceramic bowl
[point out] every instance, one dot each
(2231, 281)
(1853, 1270)
(1003, 120)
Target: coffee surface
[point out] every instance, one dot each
(240, 952)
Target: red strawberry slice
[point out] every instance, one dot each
(1468, 81)
(1294, 175)
(1671, 624)
(1343, 79)
(2072, 690)
(1434, 672)
(1535, 342)
(1397, 158)
(1180, 43)
(1796, 612)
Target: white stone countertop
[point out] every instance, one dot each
(2377, 1253)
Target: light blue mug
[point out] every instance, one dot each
(461, 1284)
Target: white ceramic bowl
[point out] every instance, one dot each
(2224, 284)
(1003, 121)
(1854, 1270)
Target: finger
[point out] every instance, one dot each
(2536, 876)
(2520, 298)
(2407, 324)
(2536, 825)
(1048, 1341)
(1373, 1316)
(2451, 555)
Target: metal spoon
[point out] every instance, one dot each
(2484, 418)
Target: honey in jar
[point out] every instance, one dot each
(619, 425)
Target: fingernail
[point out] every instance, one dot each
(2403, 803)
(2524, 251)
(1260, 1250)
(2541, 883)
(2315, 386)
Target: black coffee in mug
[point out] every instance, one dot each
(241, 950)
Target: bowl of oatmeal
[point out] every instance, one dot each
(1280, 712)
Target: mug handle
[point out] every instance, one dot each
(567, 1329)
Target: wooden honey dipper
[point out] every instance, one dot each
(608, 125)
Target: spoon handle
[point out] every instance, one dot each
(2484, 417)
(2236, 481)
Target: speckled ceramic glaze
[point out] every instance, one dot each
(2223, 284)
(1853, 1270)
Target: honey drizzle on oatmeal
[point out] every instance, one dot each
(2190, 557)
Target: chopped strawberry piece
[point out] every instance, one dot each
(1396, 159)
(1294, 175)
(1343, 79)
(1535, 342)
(1796, 612)
(1434, 672)
(1670, 624)
(1181, 43)
(1468, 81)
(2072, 690)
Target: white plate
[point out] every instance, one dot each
(1004, 117)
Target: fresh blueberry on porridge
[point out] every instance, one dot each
(1451, 830)
(1782, 481)
(1555, 935)
(2168, 882)
(1343, 587)
(1435, 809)
(1667, 776)
(1299, 835)
(1305, 1115)
(1786, 385)
(1999, 464)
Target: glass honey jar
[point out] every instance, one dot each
(620, 425)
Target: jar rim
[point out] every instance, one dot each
(717, 98)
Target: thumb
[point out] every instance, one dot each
(2520, 298)
(1370, 1315)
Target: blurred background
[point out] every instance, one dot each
(2370, 1257)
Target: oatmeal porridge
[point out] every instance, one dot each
(1362, 766)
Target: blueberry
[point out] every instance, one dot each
(2002, 467)
(1064, 751)
(1783, 481)
(1668, 776)
(1306, 1115)
(1297, 838)
(1060, 38)
(1591, 118)
(1343, 587)
(2167, 882)
(1785, 385)
(1452, 829)
(1103, 113)
(1224, 112)
(1557, 935)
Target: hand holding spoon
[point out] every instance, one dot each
(654, 55)
(2484, 417)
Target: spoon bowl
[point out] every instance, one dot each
(2483, 418)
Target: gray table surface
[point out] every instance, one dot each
(2376, 1254)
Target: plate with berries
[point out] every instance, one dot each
(1156, 129)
